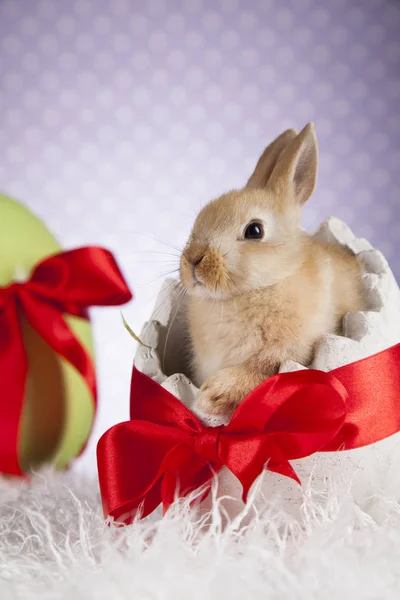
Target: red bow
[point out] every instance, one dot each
(289, 416)
(68, 282)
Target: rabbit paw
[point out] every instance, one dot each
(222, 393)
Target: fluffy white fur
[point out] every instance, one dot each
(54, 544)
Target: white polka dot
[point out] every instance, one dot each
(46, 8)
(322, 54)
(213, 94)
(195, 76)
(361, 125)
(380, 177)
(324, 127)
(48, 44)
(230, 40)
(341, 108)
(141, 96)
(176, 60)
(319, 17)
(33, 135)
(86, 79)
(121, 42)
(49, 81)
(13, 117)
(197, 149)
(11, 45)
(15, 154)
(231, 76)
(105, 98)
(161, 114)
(249, 57)
(304, 73)
(284, 55)
(193, 40)
(102, 25)
(212, 58)
(142, 132)
(32, 99)
(212, 21)
(140, 61)
(358, 52)
(87, 116)
(160, 77)
(375, 34)
(124, 115)
(305, 110)
(359, 90)
(339, 35)
(67, 61)
(33, 171)
(214, 131)
(156, 7)
(302, 36)
(175, 24)
(12, 82)
(138, 24)
(158, 41)
(30, 62)
(177, 95)
(363, 196)
(68, 99)
(125, 151)
(103, 61)
(69, 134)
(286, 92)
(250, 93)
(269, 110)
(284, 18)
(10, 8)
(29, 26)
(323, 91)
(267, 74)
(196, 112)
(66, 25)
(393, 51)
(228, 6)
(342, 144)
(377, 107)
(84, 43)
(355, 16)
(51, 117)
(340, 72)
(267, 38)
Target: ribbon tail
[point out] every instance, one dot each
(185, 472)
(13, 374)
(51, 326)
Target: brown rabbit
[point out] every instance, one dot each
(261, 290)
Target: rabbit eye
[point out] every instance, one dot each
(254, 231)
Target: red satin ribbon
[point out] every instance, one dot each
(291, 415)
(68, 282)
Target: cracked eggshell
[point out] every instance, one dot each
(365, 333)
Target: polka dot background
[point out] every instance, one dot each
(120, 119)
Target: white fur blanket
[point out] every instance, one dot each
(54, 544)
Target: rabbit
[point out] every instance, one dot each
(260, 290)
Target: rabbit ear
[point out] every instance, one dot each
(267, 160)
(295, 172)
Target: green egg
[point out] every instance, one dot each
(58, 409)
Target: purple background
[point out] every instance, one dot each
(120, 118)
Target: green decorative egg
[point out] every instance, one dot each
(58, 407)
